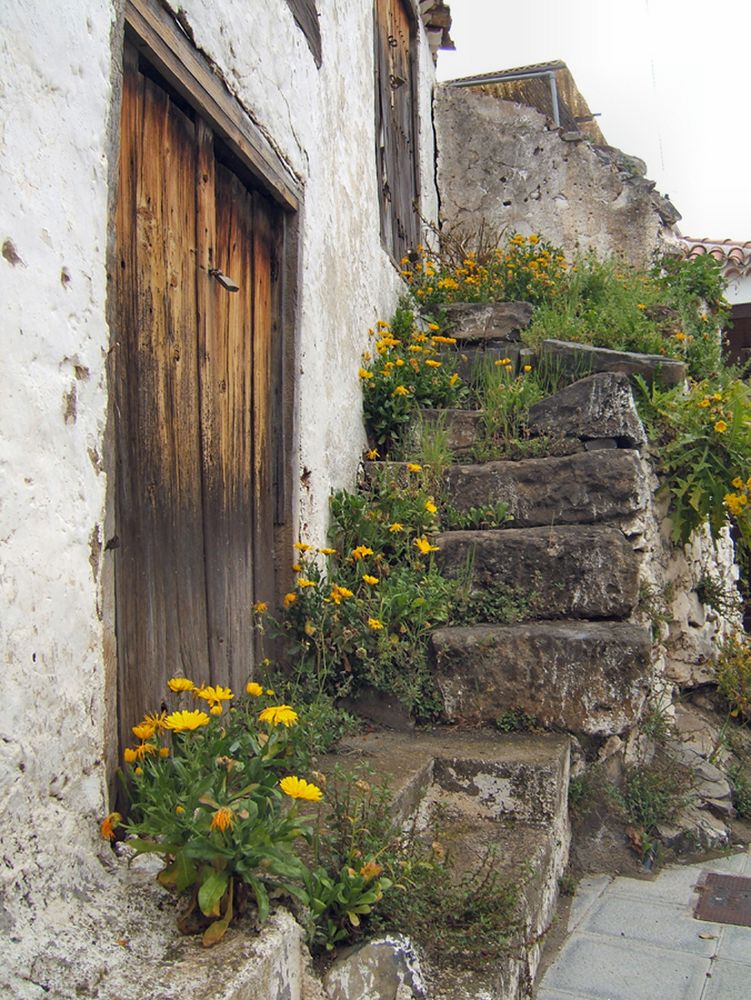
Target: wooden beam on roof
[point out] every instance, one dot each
(164, 44)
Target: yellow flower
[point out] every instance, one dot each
(364, 373)
(177, 684)
(679, 336)
(303, 582)
(372, 454)
(296, 567)
(143, 731)
(327, 552)
(401, 390)
(181, 721)
(108, 824)
(704, 403)
(276, 715)
(372, 580)
(223, 819)
(443, 340)
(640, 305)
(138, 772)
(534, 238)
(396, 526)
(155, 720)
(164, 751)
(371, 870)
(338, 594)
(433, 364)
(301, 546)
(216, 709)
(375, 624)
(214, 695)
(361, 551)
(299, 788)
(528, 368)
(289, 599)
(253, 689)
(129, 755)
(720, 427)
(738, 483)
(413, 467)
(424, 546)
(454, 379)
(733, 503)
(430, 507)
(260, 607)
(179, 810)
(434, 327)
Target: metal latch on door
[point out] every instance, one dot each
(224, 280)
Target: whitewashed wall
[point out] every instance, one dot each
(58, 126)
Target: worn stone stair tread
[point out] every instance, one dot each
(588, 678)
(584, 359)
(570, 571)
(524, 775)
(573, 489)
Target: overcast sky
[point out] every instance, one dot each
(670, 78)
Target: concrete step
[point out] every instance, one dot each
(576, 571)
(484, 797)
(602, 485)
(587, 678)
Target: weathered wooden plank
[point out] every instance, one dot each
(306, 18)
(226, 392)
(263, 465)
(161, 609)
(154, 31)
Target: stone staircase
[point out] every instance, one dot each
(577, 662)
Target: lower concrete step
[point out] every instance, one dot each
(587, 678)
(484, 799)
(576, 571)
(583, 488)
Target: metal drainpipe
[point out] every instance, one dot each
(503, 78)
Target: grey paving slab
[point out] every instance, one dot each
(601, 968)
(655, 921)
(728, 981)
(735, 944)
(588, 892)
(559, 995)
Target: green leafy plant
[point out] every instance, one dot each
(215, 793)
(515, 720)
(733, 672)
(704, 438)
(651, 794)
(405, 370)
(523, 268)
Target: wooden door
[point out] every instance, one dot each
(193, 390)
(396, 151)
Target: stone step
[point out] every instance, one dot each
(576, 571)
(600, 406)
(583, 359)
(483, 322)
(587, 678)
(601, 485)
(482, 796)
(520, 776)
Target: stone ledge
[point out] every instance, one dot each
(583, 359)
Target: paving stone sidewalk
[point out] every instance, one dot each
(632, 939)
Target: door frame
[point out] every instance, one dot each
(155, 35)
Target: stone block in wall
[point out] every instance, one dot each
(481, 321)
(589, 678)
(584, 488)
(583, 359)
(598, 406)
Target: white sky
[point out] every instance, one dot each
(670, 78)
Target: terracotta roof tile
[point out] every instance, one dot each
(735, 257)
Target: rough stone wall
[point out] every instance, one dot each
(59, 117)
(503, 163)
